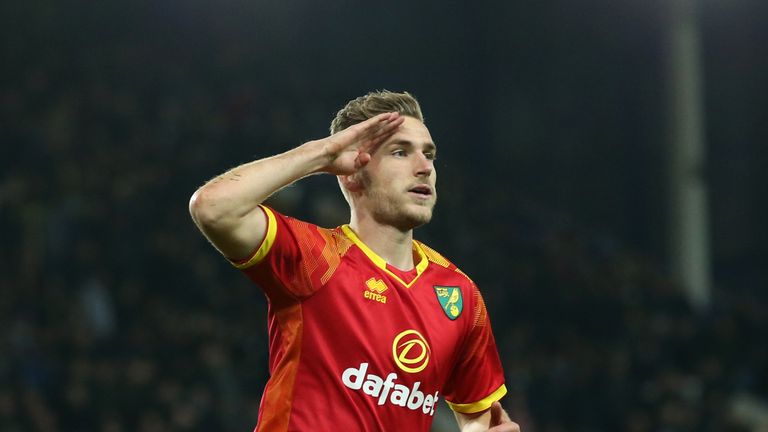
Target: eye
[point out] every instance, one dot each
(430, 155)
(399, 153)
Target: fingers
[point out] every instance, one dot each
(500, 420)
(389, 126)
(504, 414)
(382, 132)
(377, 120)
(506, 427)
(365, 134)
(362, 160)
(351, 149)
(377, 126)
(496, 412)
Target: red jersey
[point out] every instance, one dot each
(357, 345)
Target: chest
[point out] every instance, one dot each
(368, 315)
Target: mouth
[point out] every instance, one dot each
(421, 190)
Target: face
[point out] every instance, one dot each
(398, 184)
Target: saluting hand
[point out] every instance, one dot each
(349, 150)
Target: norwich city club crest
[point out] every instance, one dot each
(450, 299)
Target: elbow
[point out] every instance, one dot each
(202, 209)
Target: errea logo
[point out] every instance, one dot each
(375, 289)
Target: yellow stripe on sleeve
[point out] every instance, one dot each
(481, 405)
(266, 244)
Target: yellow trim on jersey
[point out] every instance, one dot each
(266, 244)
(434, 256)
(381, 263)
(423, 260)
(481, 405)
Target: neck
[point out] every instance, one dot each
(390, 243)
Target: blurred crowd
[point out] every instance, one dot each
(115, 315)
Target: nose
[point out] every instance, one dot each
(424, 166)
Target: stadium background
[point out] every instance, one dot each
(552, 119)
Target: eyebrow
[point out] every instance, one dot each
(408, 143)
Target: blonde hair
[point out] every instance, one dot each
(374, 103)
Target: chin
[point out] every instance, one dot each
(405, 220)
(416, 219)
(403, 216)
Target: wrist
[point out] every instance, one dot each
(315, 157)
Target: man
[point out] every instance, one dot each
(368, 328)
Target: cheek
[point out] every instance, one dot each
(383, 180)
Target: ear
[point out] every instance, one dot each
(351, 182)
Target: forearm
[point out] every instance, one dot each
(237, 192)
(473, 423)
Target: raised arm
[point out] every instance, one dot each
(226, 207)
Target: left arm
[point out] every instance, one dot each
(494, 419)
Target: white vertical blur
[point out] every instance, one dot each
(689, 211)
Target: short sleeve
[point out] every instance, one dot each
(295, 257)
(478, 378)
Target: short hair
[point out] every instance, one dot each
(374, 103)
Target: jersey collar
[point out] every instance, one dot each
(381, 263)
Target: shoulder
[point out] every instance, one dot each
(439, 260)
(451, 275)
(306, 231)
(287, 236)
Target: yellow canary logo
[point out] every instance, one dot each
(450, 299)
(410, 351)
